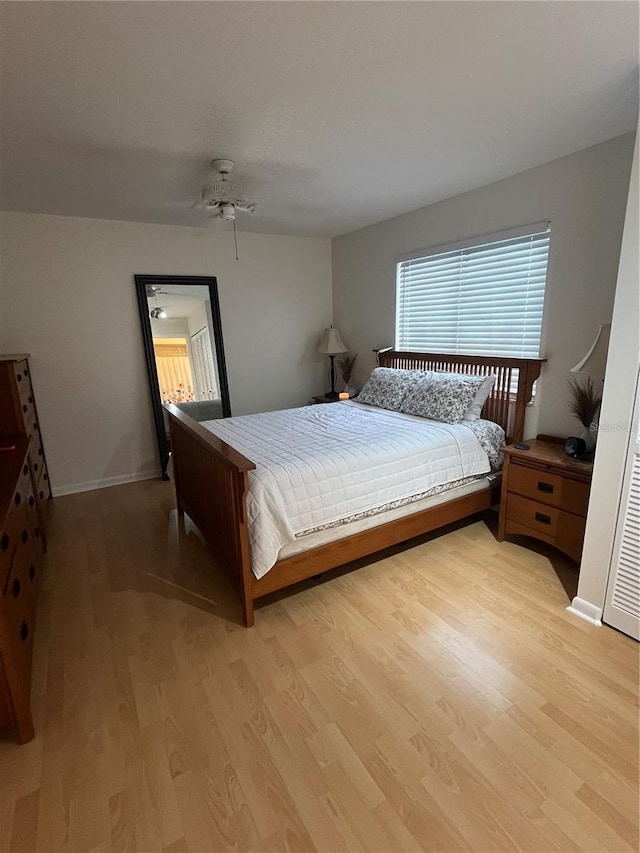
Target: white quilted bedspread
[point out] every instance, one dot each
(319, 464)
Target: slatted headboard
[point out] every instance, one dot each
(498, 407)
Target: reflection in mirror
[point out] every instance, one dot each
(183, 341)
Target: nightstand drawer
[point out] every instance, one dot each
(550, 489)
(559, 528)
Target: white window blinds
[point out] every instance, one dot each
(484, 298)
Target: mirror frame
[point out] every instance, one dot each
(142, 283)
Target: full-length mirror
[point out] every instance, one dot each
(182, 334)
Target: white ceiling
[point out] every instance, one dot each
(337, 114)
(179, 301)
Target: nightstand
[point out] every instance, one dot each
(322, 398)
(545, 494)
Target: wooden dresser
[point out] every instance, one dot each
(545, 494)
(19, 416)
(21, 559)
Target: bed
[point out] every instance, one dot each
(211, 477)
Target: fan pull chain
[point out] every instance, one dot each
(235, 238)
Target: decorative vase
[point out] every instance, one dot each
(588, 435)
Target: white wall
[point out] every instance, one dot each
(615, 416)
(68, 298)
(198, 320)
(584, 196)
(176, 328)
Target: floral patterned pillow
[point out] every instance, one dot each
(387, 387)
(441, 397)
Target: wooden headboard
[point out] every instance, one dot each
(498, 407)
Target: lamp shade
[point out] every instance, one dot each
(595, 361)
(331, 343)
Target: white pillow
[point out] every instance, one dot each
(475, 409)
(442, 396)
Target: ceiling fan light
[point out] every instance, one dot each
(227, 212)
(158, 314)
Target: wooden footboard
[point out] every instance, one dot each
(211, 483)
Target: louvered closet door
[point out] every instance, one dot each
(622, 605)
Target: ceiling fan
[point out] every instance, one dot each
(157, 313)
(217, 193)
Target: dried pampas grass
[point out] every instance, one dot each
(584, 401)
(346, 366)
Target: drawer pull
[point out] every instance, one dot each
(39, 451)
(31, 500)
(26, 372)
(24, 537)
(35, 466)
(19, 378)
(4, 543)
(544, 519)
(41, 495)
(17, 499)
(24, 632)
(32, 572)
(545, 487)
(25, 470)
(16, 588)
(24, 408)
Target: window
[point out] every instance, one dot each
(480, 297)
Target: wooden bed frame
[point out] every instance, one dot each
(211, 482)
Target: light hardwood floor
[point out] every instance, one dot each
(438, 699)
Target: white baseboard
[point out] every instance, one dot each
(120, 480)
(585, 610)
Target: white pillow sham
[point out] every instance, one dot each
(474, 411)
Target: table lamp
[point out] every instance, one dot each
(332, 346)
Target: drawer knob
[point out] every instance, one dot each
(16, 588)
(25, 537)
(17, 499)
(545, 487)
(24, 632)
(19, 378)
(542, 518)
(41, 495)
(4, 543)
(31, 500)
(32, 572)
(24, 408)
(35, 466)
(25, 469)
(31, 399)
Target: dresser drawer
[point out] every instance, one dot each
(21, 591)
(562, 529)
(9, 538)
(550, 489)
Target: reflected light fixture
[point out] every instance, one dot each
(157, 313)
